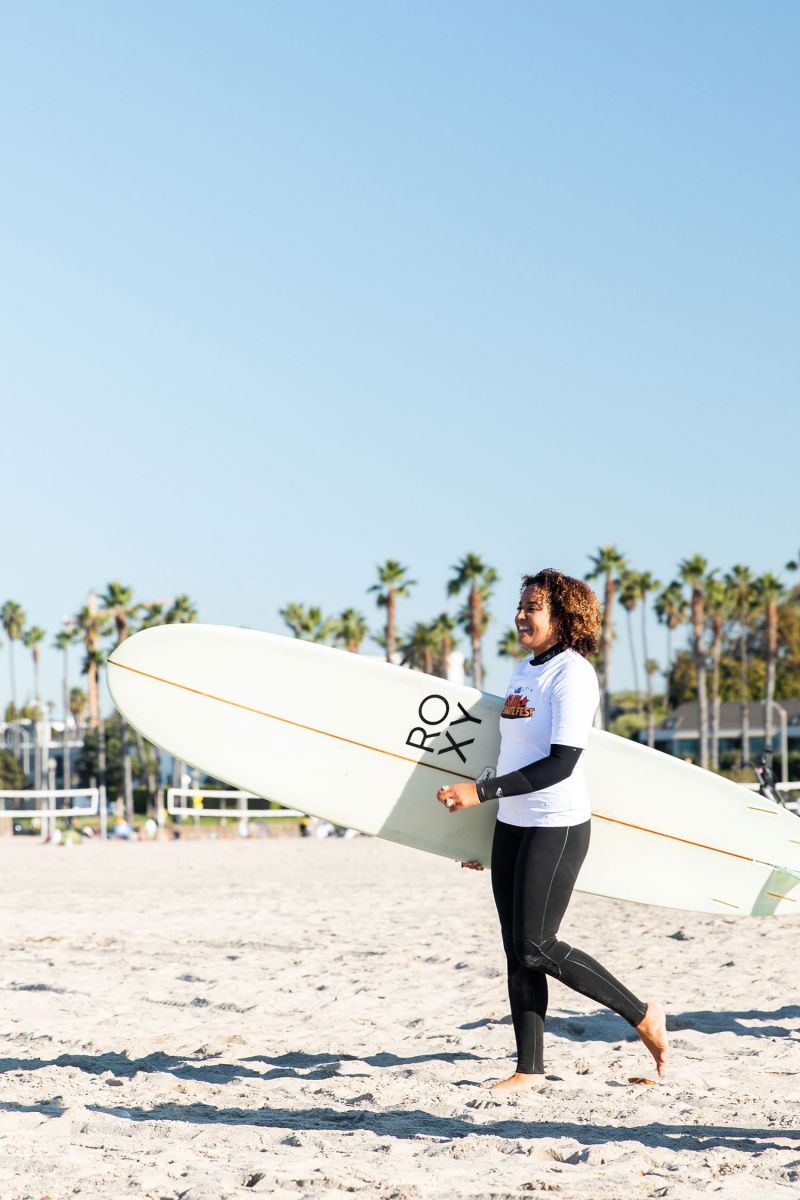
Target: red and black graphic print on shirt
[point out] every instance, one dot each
(516, 706)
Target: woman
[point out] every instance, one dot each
(543, 821)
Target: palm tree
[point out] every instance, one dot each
(307, 623)
(418, 648)
(62, 641)
(647, 584)
(651, 668)
(607, 564)
(693, 571)
(630, 593)
(152, 614)
(443, 628)
(181, 612)
(119, 606)
(13, 619)
(741, 587)
(671, 609)
(93, 662)
(77, 707)
(718, 605)
(294, 615)
(350, 629)
(392, 582)
(770, 590)
(118, 603)
(473, 574)
(30, 640)
(90, 624)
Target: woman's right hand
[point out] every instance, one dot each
(473, 866)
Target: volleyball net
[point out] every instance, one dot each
(197, 802)
(31, 804)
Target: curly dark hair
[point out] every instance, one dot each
(574, 609)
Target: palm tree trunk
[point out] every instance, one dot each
(93, 673)
(152, 781)
(444, 660)
(629, 621)
(744, 692)
(13, 695)
(716, 654)
(390, 609)
(121, 622)
(101, 753)
(702, 698)
(93, 694)
(772, 655)
(651, 725)
(37, 752)
(65, 765)
(127, 771)
(37, 744)
(475, 633)
(607, 638)
(700, 668)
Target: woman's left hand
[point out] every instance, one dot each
(458, 795)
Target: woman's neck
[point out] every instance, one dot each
(543, 656)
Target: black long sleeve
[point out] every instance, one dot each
(557, 766)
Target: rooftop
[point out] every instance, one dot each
(686, 719)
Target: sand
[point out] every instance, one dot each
(290, 1018)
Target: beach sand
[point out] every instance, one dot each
(208, 1019)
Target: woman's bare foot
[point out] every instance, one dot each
(653, 1032)
(515, 1083)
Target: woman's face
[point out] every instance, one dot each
(535, 630)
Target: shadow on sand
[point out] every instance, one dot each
(418, 1123)
(204, 1069)
(604, 1026)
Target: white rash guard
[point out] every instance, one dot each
(550, 704)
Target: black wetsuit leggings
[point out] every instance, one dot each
(533, 874)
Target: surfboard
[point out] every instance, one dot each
(366, 744)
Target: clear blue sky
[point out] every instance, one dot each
(288, 289)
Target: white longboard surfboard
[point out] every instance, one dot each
(366, 744)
